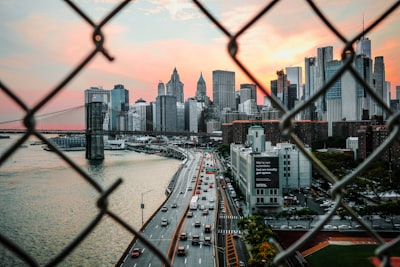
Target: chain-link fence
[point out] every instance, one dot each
(337, 192)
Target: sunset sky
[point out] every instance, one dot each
(43, 41)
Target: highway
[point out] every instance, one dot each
(199, 178)
(192, 180)
(201, 253)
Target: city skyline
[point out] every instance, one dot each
(149, 39)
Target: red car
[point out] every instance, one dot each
(198, 192)
(136, 252)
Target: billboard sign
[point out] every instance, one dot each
(266, 172)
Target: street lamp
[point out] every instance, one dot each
(142, 204)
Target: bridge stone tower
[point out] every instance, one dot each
(94, 130)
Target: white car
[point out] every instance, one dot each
(164, 222)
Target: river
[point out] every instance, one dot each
(45, 204)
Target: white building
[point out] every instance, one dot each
(263, 172)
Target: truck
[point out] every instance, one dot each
(193, 202)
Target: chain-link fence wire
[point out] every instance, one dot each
(337, 193)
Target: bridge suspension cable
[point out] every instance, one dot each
(46, 114)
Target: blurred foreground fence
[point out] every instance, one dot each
(348, 56)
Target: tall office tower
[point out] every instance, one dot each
(98, 94)
(166, 113)
(274, 88)
(247, 98)
(341, 96)
(192, 115)
(224, 89)
(282, 87)
(138, 116)
(310, 64)
(291, 96)
(180, 117)
(295, 76)
(175, 87)
(324, 55)
(363, 66)
(201, 92)
(398, 92)
(363, 47)
(119, 107)
(253, 90)
(379, 80)
(161, 88)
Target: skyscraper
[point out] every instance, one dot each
(98, 94)
(175, 87)
(363, 47)
(341, 97)
(282, 87)
(161, 88)
(119, 107)
(166, 113)
(310, 64)
(398, 92)
(363, 66)
(224, 89)
(294, 76)
(379, 81)
(325, 54)
(201, 89)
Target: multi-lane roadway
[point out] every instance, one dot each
(193, 180)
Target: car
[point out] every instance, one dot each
(205, 212)
(183, 236)
(197, 224)
(242, 264)
(195, 240)
(164, 209)
(207, 241)
(189, 214)
(205, 190)
(203, 198)
(212, 200)
(181, 251)
(190, 188)
(136, 252)
(235, 235)
(198, 192)
(207, 228)
(164, 222)
(174, 205)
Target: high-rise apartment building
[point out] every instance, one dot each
(175, 87)
(119, 107)
(224, 89)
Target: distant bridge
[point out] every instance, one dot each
(146, 133)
